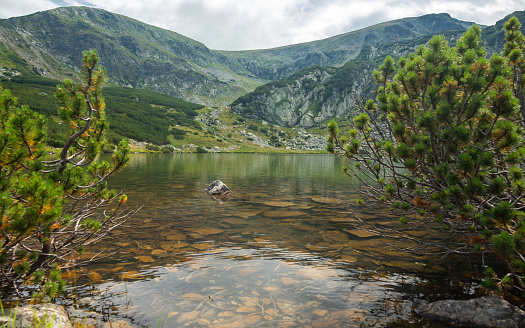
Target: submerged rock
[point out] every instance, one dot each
(218, 191)
(484, 312)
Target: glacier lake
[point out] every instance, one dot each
(285, 251)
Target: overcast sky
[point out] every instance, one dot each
(259, 24)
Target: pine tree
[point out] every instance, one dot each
(443, 148)
(51, 207)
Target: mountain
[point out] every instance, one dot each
(135, 54)
(278, 63)
(139, 55)
(494, 36)
(298, 85)
(310, 97)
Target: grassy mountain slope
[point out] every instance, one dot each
(134, 54)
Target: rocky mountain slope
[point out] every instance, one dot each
(309, 97)
(312, 96)
(138, 55)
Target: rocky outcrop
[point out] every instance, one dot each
(48, 315)
(308, 98)
(484, 312)
(305, 141)
(218, 188)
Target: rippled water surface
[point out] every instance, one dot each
(283, 252)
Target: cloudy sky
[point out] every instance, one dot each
(258, 24)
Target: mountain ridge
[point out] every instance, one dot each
(134, 53)
(350, 44)
(140, 55)
(290, 102)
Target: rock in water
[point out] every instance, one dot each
(218, 188)
(484, 312)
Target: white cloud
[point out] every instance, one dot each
(250, 24)
(14, 8)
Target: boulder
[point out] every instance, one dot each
(52, 315)
(218, 191)
(218, 188)
(484, 312)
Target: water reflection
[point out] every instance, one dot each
(283, 252)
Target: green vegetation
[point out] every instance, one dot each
(147, 116)
(49, 205)
(37, 92)
(141, 115)
(444, 148)
(138, 114)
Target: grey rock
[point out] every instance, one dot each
(53, 315)
(484, 312)
(218, 188)
(307, 100)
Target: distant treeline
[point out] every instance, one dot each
(139, 114)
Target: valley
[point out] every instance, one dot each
(286, 94)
